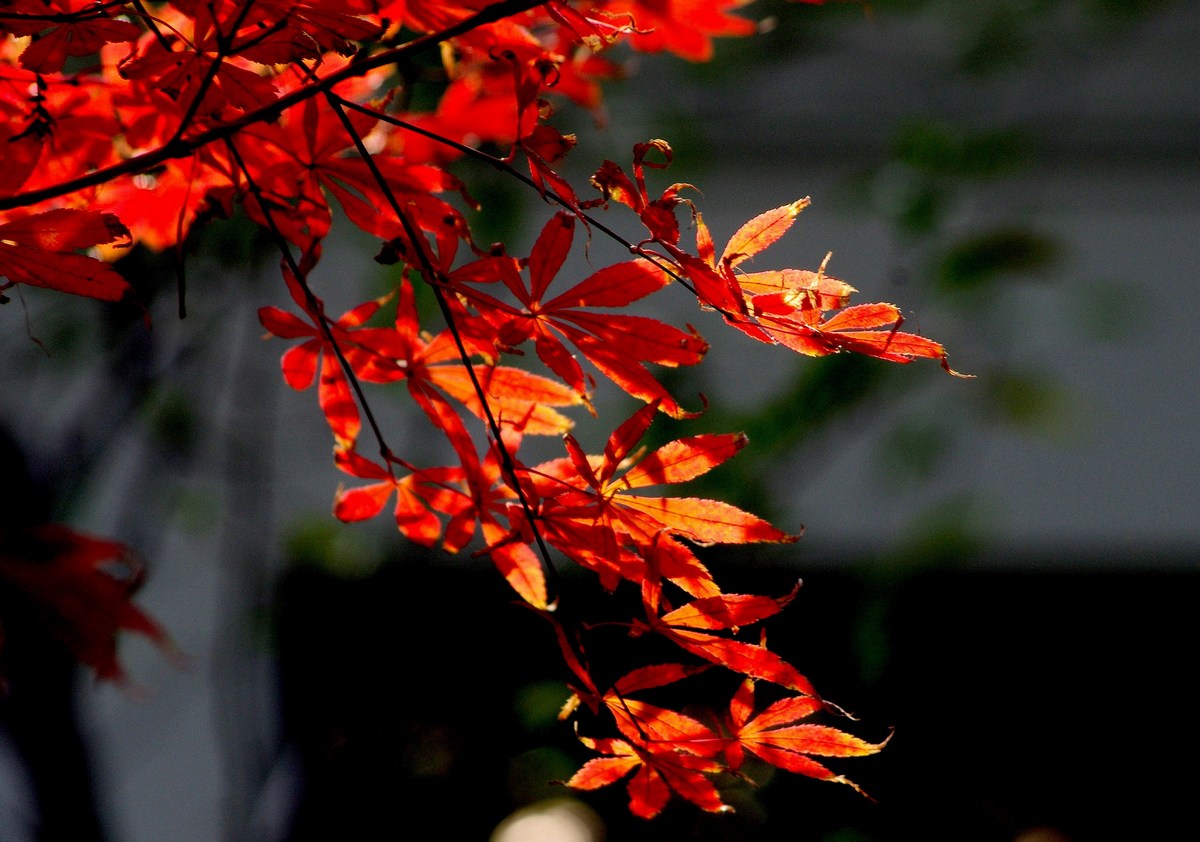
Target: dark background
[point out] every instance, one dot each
(1002, 570)
(1020, 701)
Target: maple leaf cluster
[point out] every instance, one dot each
(79, 586)
(129, 124)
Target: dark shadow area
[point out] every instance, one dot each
(1019, 701)
(38, 672)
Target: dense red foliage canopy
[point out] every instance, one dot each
(134, 124)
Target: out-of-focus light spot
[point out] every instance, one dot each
(551, 821)
(1041, 834)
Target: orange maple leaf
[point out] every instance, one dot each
(656, 774)
(619, 345)
(518, 399)
(691, 627)
(592, 518)
(594, 490)
(772, 736)
(787, 306)
(651, 724)
(418, 496)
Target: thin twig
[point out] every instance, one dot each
(508, 169)
(433, 277)
(315, 306)
(184, 146)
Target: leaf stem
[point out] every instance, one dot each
(502, 165)
(316, 307)
(437, 282)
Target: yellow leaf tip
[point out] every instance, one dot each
(799, 205)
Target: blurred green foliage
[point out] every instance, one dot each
(982, 258)
(327, 546)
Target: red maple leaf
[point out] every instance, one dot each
(309, 153)
(300, 363)
(176, 73)
(79, 587)
(868, 329)
(419, 496)
(619, 345)
(656, 774)
(787, 307)
(683, 27)
(62, 29)
(39, 250)
(658, 215)
(517, 398)
(773, 736)
(492, 500)
(651, 724)
(716, 284)
(585, 494)
(286, 31)
(691, 627)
